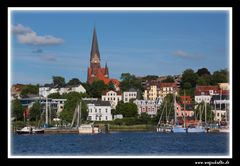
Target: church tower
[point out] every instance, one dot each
(94, 70)
(95, 55)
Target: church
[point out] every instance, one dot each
(95, 71)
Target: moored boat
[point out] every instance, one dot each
(30, 130)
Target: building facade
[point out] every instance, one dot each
(99, 111)
(113, 97)
(148, 106)
(131, 94)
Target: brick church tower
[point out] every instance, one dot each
(95, 71)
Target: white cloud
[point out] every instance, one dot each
(20, 29)
(186, 55)
(25, 35)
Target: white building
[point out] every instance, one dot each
(45, 91)
(131, 94)
(113, 97)
(148, 106)
(205, 93)
(99, 111)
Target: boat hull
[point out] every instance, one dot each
(177, 129)
(196, 130)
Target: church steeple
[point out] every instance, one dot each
(95, 55)
(106, 70)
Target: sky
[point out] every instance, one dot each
(58, 43)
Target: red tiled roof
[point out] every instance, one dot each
(205, 89)
(100, 74)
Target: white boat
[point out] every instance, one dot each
(88, 129)
(196, 129)
(30, 130)
(178, 128)
(224, 129)
(84, 128)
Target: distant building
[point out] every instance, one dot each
(118, 116)
(113, 97)
(148, 106)
(156, 90)
(99, 110)
(45, 91)
(130, 94)
(204, 93)
(95, 71)
(16, 90)
(223, 86)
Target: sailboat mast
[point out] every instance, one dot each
(205, 104)
(184, 109)
(78, 116)
(46, 111)
(175, 112)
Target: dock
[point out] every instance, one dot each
(60, 131)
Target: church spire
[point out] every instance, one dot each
(106, 70)
(95, 55)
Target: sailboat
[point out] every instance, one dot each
(164, 127)
(176, 127)
(84, 128)
(198, 128)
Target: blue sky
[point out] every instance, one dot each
(58, 43)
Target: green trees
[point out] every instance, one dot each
(130, 81)
(69, 107)
(169, 79)
(58, 81)
(220, 76)
(35, 112)
(188, 79)
(111, 86)
(74, 81)
(17, 109)
(55, 96)
(127, 109)
(200, 111)
(97, 88)
(29, 89)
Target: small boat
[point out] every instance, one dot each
(196, 129)
(179, 129)
(88, 129)
(30, 130)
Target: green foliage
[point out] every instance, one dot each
(58, 81)
(200, 110)
(111, 86)
(55, 96)
(220, 77)
(150, 77)
(188, 92)
(74, 81)
(35, 111)
(97, 88)
(69, 107)
(130, 81)
(188, 79)
(127, 109)
(203, 72)
(169, 79)
(114, 112)
(17, 109)
(29, 89)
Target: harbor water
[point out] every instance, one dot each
(121, 144)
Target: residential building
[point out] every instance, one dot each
(220, 104)
(95, 71)
(148, 106)
(223, 86)
(99, 110)
(113, 97)
(156, 90)
(205, 93)
(45, 91)
(16, 90)
(131, 94)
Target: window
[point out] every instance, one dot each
(99, 109)
(95, 110)
(106, 117)
(106, 111)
